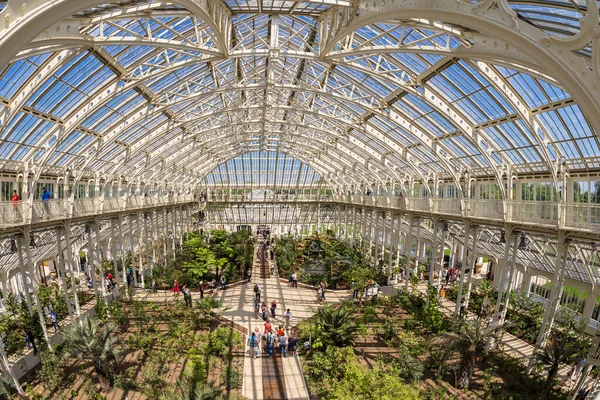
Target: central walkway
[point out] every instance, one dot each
(279, 377)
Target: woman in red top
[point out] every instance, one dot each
(267, 326)
(15, 203)
(175, 288)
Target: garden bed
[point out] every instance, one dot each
(157, 343)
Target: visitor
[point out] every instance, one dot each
(271, 254)
(257, 291)
(283, 345)
(30, 340)
(280, 331)
(287, 316)
(154, 286)
(215, 292)
(576, 370)
(175, 289)
(54, 320)
(448, 276)
(263, 310)
(252, 345)
(583, 393)
(442, 294)
(256, 308)
(322, 290)
(129, 279)
(187, 296)
(46, 196)
(319, 294)
(295, 280)
(292, 345)
(272, 268)
(269, 339)
(354, 290)
(463, 309)
(291, 280)
(201, 290)
(223, 281)
(257, 336)
(268, 327)
(15, 205)
(273, 307)
(213, 283)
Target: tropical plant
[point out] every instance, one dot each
(334, 327)
(555, 352)
(93, 341)
(468, 338)
(206, 308)
(430, 315)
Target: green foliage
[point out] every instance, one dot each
(331, 327)
(287, 254)
(221, 341)
(337, 374)
(52, 370)
(101, 311)
(431, 317)
(92, 341)
(555, 353)
(231, 378)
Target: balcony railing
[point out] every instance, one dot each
(584, 217)
(17, 213)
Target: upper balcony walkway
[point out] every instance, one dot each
(533, 215)
(16, 214)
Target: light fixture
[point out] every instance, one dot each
(13, 245)
(502, 237)
(32, 241)
(523, 242)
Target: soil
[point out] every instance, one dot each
(132, 363)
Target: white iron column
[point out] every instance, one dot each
(27, 294)
(72, 265)
(35, 283)
(130, 245)
(60, 270)
(375, 236)
(391, 251)
(408, 249)
(473, 263)
(558, 281)
(90, 261)
(463, 253)
(173, 230)
(113, 253)
(511, 275)
(140, 243)
(148, 244)
(123, 252)
(433, 251)
(440, 255)
(99, 259)
(418, 247)
(588, 308)
(503, 269)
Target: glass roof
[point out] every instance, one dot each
(143, 92)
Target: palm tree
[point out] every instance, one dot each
(91, 340)
(207, 307)
(555, 352)
(336, 326)
(469, 338)
(192, 389)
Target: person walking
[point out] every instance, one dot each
(30, 340)
(54, 320)
(187, 296)
(223, 281)
(280, 331)
(252, 345)
(175, 289)
(283, 345)
(269, 339)
(257, 335)
(292, 345)
(201, 290)
(154, 286)
(354, 290)
(273, 308)
(256, 308)
(257, 291)
(295, 280)
(287, 316)
(268, 327)
(263, 310)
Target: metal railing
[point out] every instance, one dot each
(20, 213)
(585, 217)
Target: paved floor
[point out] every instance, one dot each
(263, 376)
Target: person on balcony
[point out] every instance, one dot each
(15, 204)
(45, 197)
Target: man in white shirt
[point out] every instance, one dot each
(287, 316)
